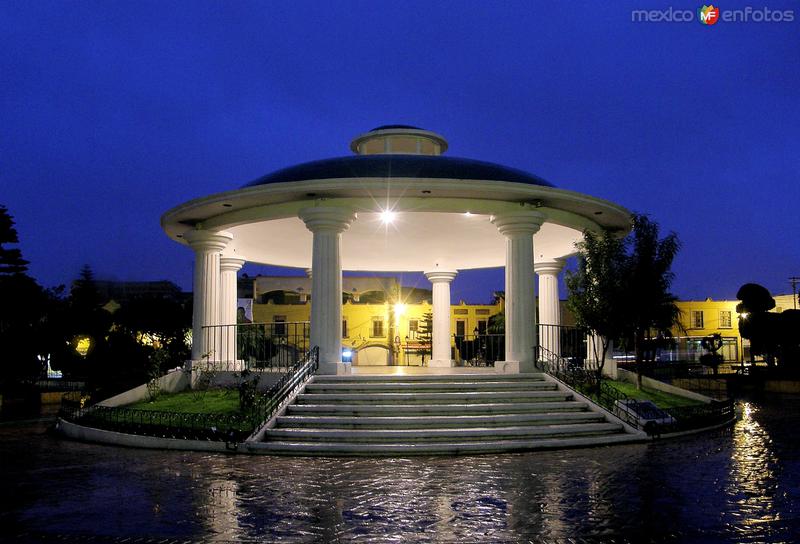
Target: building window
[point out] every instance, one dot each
(344, 328)
(725, 319)
(279, 327)
(460, 311)
(461, 327)
(697, 319)
(730, 350)
(413, 325)
(482, 311)
(483, 325)
(377, 327)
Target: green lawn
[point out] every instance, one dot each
(659, 398)
(215, 401)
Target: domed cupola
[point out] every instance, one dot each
(399, 140)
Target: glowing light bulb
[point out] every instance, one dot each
(388, 216)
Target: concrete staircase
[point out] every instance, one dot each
(429, 415)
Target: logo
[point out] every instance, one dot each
(708, 15)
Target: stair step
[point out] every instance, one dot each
(437, 421)
(423, 435)
(436, 409)
(432, 398)
(442, 387)
(449, 378)
(436, 415)
(436, 448)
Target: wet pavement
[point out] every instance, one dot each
(740, 484)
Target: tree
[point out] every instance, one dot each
(597, 289)
(22, 311)
(650, 305)
(425, 335)
(11, 261)
(621, 287)
(773, 335)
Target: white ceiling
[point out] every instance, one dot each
(414, 241)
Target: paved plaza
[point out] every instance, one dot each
(733, 485)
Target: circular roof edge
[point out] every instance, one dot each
(399, 166)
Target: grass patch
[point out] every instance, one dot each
(214, 401)
(659, 398)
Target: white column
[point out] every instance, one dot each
(228, 304)
(440, 343)
(549, 304)
(207, 247)
(327, 225)
(519, 228)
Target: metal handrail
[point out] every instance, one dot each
(590, 383)
(257, 347)
(273, 399)
(479, 349)
(587, 381)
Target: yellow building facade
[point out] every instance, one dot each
(701, 318)
(383, 322)
(386, 333)
(391, 331)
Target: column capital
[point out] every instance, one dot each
(232, 264)
(205, 240)
(327, 218)
(441, 276)
(522, 222)
(552, 266)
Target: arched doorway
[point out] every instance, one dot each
(374, 355)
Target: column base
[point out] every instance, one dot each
(441, 363)
(514, 367)
(334, 369)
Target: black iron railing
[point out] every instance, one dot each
(258, 347)
(484, 349)
(269, 403)
(231, 428)
(586, 380)
(479, 349)
(210, 427)
(700, 416)
(565, 341)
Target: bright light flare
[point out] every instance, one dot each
(388, 216)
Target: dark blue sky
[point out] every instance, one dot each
(113, 112)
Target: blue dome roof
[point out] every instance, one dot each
(399, 166)
(388, 127)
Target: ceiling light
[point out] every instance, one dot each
(388, 216)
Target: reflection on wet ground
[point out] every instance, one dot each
(734, 485)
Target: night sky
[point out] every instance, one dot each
(113, 112)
